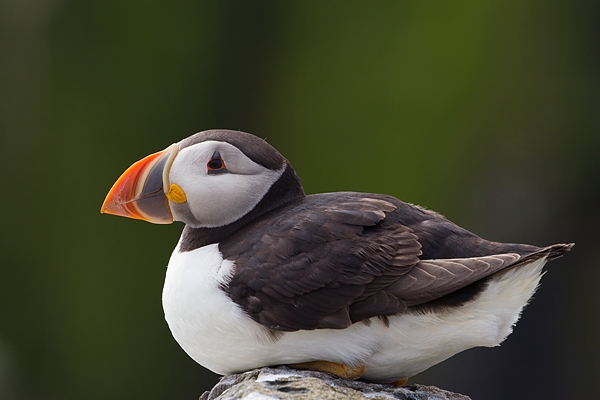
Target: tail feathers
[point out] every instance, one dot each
(549, 253)
(557, 250)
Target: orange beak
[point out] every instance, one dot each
(140, 192)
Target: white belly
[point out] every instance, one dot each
(217, 334)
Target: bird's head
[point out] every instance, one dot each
(207, 180)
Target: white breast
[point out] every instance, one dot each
(216, 333)
(203, 320)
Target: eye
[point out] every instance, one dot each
(216, 165)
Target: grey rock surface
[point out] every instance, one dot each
(286, 383)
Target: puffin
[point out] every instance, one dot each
(358, 285)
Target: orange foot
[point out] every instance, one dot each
(399, 382)
(340, 370)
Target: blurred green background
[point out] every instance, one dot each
(488, 112)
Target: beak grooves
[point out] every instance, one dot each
(140, 191)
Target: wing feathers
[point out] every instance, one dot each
(334, 259)
(432, 279)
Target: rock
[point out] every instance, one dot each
(286, 383)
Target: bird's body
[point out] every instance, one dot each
(217, 333)
(264, 275)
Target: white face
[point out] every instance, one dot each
(218, 199)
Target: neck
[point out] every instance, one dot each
(285, 190)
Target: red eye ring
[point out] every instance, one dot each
(216, 164)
